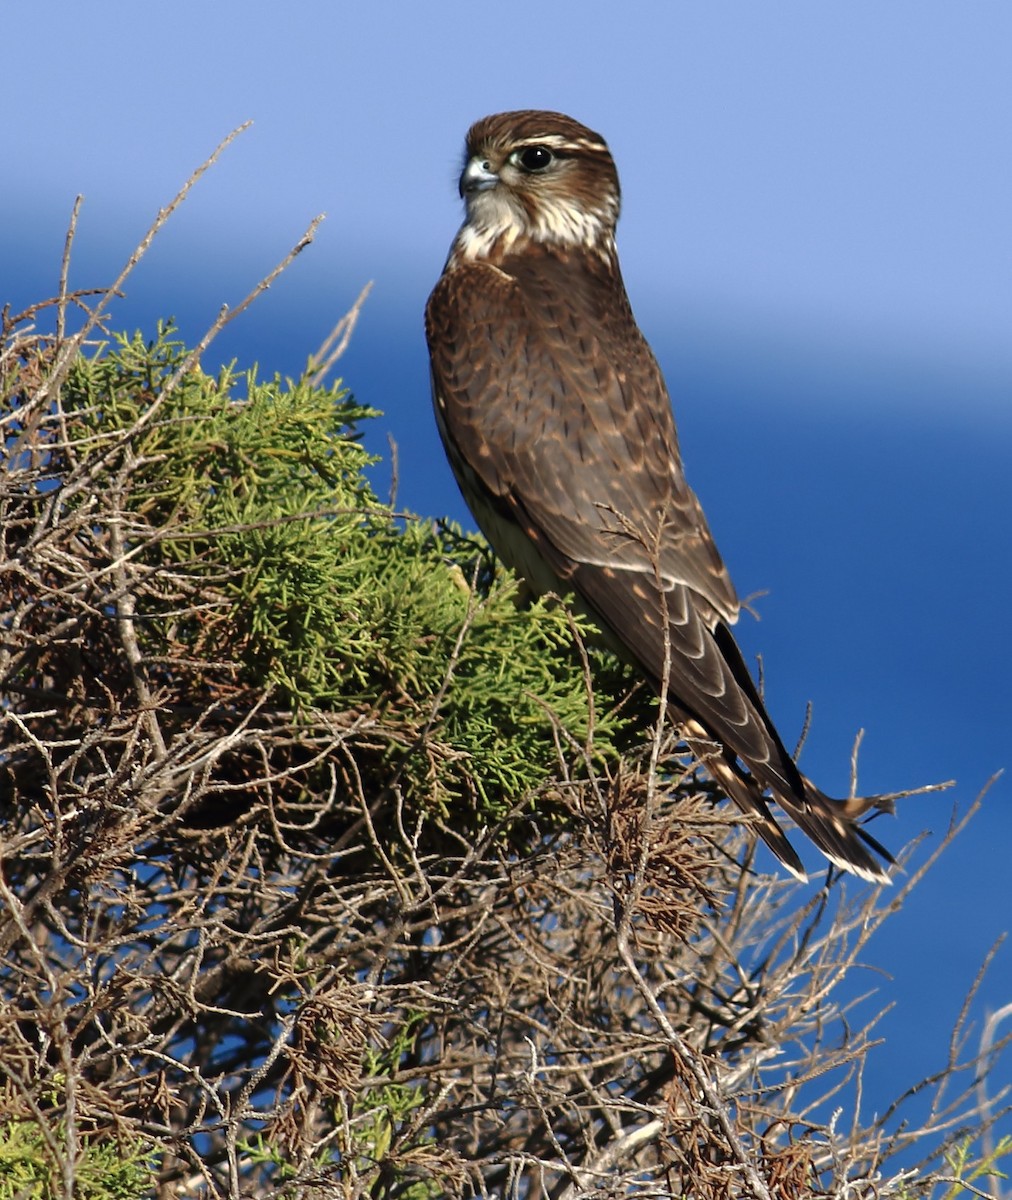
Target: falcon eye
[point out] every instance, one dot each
(534, 158)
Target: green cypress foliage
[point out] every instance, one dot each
(252, 496)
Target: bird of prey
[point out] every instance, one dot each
(557, 423)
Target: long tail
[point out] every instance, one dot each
(831, 824)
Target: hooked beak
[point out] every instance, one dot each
(477, 176)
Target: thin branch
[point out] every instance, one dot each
(69, 347)
(61, 296)
(336, 342)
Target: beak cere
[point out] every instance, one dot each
(477, 176)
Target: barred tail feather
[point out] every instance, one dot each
(830, 824)
(747, 795)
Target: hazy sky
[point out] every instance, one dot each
(816, 238)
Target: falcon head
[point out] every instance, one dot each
(536, 177)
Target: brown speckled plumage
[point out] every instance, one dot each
(559, 429)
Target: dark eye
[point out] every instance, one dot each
(534, 158)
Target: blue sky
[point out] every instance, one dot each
(816, 239)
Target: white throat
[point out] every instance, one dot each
(497, 222)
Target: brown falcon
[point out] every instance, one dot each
(558, 426)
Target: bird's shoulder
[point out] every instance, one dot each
(466, 289)
(562, 315)
(546, 388)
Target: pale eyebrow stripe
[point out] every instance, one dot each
(557, 142)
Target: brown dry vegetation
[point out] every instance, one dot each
(328, 870)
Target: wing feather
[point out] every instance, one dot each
(570, 437)
(528, 396)
(558, 426)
